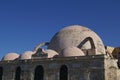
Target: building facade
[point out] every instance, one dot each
(74, 53)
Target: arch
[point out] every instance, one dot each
(40, 45)
(63, 72)
(1, 73)
(39, 73)
(92, 50)
(85, 40)
(39, 51)
(18, 73)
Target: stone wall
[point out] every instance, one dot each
(78, 68)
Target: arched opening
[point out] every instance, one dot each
(85, 40)
(64, 73)
(39, 73)
(18, 73)
(92, 48)
(1, 73)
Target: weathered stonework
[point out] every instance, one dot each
(97, 67)
(74, 53)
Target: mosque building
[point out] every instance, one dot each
(74, 53)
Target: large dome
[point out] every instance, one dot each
(10, 56)
(76, 36)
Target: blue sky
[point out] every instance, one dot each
(26, 23)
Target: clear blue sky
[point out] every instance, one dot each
(26, 23)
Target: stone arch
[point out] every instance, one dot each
(18, 73)
(85, 40)
(90, 51)
(39, 73)
(41, 45)
(63, 73)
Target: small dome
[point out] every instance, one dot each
(27, 55)
(51, 53)
(71, 51)
(10, 56)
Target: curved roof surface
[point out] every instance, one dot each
(51, 53)
(27, 55)
(71, 51)
(75, 36)
(10, 56)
